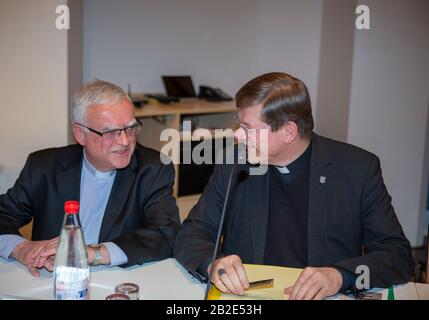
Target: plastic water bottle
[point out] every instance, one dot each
(71, 271)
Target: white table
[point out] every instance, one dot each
(407, 291)
(166, 280)
(162, 280)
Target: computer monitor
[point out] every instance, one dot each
(179, 86)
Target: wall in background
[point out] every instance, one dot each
(335, 67)
(220, 43)
(75, 54)
(33, 83)
(389, 102)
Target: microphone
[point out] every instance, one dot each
(222, 218)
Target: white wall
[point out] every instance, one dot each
(75, 54)
(389, 101)
(33, 83)
(220, 43)
(335, 67)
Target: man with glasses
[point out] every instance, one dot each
(321, 205)
(127, 212)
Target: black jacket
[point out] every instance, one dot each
(141, 215)
(349, 209)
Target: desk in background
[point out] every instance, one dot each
(203, 114)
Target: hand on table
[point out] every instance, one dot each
(36, 254)
(229, 275)
(315, 284)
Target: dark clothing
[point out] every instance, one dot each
(141, 216)
(348, 208)
(286, 243)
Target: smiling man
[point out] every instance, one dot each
(127, 211)
(321, 206)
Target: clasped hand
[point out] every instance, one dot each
(36, 254)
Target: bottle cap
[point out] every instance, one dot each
(71, 207)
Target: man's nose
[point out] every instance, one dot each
(123, 139)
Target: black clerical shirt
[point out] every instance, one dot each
(286, 242)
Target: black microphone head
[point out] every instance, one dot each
(242, 175)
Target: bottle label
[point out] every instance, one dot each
(71, 284)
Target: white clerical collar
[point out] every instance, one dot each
(96, 173)
(283, 170)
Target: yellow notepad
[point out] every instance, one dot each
(283, 277)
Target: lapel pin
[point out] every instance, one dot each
(322, 179)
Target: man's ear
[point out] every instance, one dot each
(290, 131)
(79, 134)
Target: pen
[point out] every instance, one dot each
(261, 284)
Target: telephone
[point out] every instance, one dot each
(213, 94)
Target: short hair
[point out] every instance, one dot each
(283, 98)
(96, 92)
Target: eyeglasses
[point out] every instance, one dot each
(114, 134)
(246, 128)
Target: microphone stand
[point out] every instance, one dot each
(219, 233)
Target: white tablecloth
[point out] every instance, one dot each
(165, 279)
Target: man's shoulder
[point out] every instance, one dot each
(49, 155)
(345, 152)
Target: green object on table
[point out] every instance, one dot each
(390, 294)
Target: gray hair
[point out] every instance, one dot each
(96, 92)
